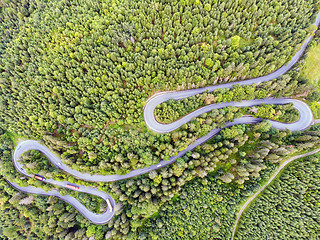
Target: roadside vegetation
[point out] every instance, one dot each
(76, 74)
(172, 110)
(237, 156)
(35, 162)
(292, 199)
(91, 202)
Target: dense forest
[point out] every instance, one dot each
(76, 75)
(206, 209)
(171, 110)
(289, 208)
(231, 158)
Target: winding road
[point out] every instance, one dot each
(25, 146)
(282, 166)
(305, 120)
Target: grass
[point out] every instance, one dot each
(14, 137)
(244, 43)
(315, 108)
(311, 69)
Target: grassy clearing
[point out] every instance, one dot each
(315, 108)
(311, 69)
(14, 137)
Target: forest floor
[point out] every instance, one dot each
(252, 198)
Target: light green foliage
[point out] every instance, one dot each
(315, 107)
(310, 69)
(206, 209)
(235, 41)
(207, 7)
(232, 132)
(209, 63)
(78, 73)
(91, 231)
(82, 71)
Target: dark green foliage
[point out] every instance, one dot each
(289, 208)
(77, 73)
(206, 209)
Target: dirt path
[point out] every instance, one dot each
(283, 165)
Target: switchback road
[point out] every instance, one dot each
(25, 146)
(304, 121)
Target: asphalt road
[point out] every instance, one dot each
(92, 217)
(25, 146)
(304, 121)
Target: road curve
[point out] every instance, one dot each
(25, 146)
(161, 97)
(92, 217)
(304, 121)
(283, 165)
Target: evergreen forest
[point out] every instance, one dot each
(75, 75)
(289, 209)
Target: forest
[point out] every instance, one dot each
(142, 197)
(206, 209)
(289, 208)
(81, 85)
(76, 74)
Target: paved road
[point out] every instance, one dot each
(92, 217)
(161, 97)
(25, 146)
(304, 121)
(283, 165)
(316, 121)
